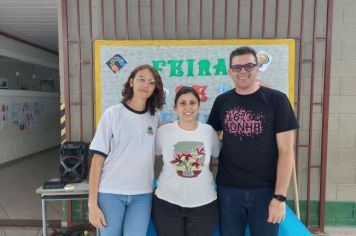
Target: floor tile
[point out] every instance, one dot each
(19, 181)
(3, 213)
(21, 232)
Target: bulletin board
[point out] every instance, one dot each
(202, 64)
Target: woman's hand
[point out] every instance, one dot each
(96, 217)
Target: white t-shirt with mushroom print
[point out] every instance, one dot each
(185, 179)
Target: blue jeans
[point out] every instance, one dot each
(127, 215)
(239, 207)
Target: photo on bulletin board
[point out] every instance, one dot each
(202, 64)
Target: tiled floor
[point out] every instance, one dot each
(20, 232)
(341, 231)
(18, 200)
(18, 182)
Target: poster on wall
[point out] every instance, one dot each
(20, 115)
(202, 64)
(3, 83)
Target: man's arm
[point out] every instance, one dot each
(285, 143)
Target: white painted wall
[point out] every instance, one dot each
(44, 132)
(41, 134)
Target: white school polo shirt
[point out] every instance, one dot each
(125, 138)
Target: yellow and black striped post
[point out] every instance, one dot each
(63, 123)
(66, 205)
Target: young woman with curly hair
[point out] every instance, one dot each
(121, 175)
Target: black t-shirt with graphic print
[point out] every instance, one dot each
(249, 154)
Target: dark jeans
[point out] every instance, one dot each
(241, 206)
(173, 220)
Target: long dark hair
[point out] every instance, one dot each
(156, 100)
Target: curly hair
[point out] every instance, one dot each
(156, 100)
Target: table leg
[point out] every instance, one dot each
(44, 217)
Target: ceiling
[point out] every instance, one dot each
(34, 21)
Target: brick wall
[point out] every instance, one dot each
(341, 170)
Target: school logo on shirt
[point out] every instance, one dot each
(150, 130)
(188, 158)
(243, 123)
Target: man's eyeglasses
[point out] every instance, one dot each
(248, 67)
(143, 80)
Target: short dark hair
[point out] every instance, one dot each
(156, 100)
(185, 90)
(243, 51)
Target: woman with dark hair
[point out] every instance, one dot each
(184, 203)
(121, 174)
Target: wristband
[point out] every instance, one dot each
(280, 198)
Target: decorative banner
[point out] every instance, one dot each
(202, 64)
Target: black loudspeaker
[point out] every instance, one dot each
(73, 162)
